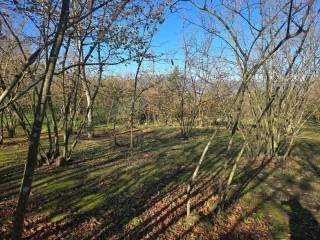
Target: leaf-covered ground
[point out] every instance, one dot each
(107, 192)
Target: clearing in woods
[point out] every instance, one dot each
(110, 192)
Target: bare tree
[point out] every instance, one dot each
(38, 119)
(279, 23)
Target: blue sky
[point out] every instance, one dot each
(166, 42)
(169, 40)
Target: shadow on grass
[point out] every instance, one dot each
(271, 189)
(303, 224)
(108, 184)
(107, 193)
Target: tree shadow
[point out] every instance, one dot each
(127, 196)
(117, 191)
(303, 225)
(251, 178)
(308, 150)
(270, 182)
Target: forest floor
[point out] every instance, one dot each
(107, 192)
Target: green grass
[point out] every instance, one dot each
(297, 179)
(106, 179)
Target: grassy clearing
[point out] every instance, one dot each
(288, 195)
(111, 193)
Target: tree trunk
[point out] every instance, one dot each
(195, 173)
(1, 128)
(82, 71)
(89, 116)
(110, 111)
(55, 130)
(223, 193)
(133, 101)
(37, 124)
(49, 153)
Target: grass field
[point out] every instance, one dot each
(107, 192)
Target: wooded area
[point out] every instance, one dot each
(222, 143)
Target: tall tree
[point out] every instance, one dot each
(37, 124)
